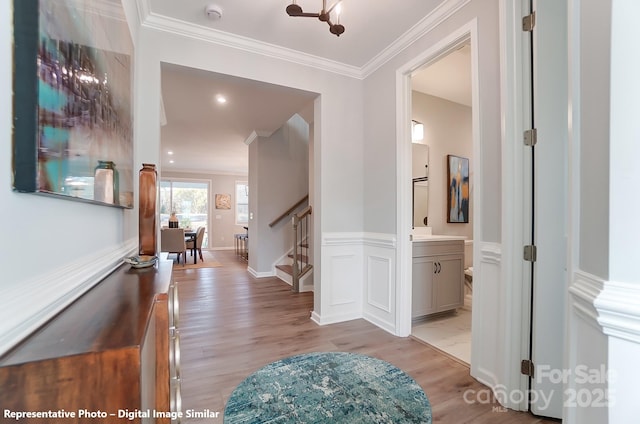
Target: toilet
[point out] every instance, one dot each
(468, 272)
(468, 257)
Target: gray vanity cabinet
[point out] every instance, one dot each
(438, 276)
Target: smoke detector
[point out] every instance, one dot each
(213, 12)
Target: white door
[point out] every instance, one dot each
(550, 118)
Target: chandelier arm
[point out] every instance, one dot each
(294, 10)
(333, 7)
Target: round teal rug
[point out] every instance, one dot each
(328, 387)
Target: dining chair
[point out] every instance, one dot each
(198, 243)
(172, 241)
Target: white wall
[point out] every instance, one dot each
(447, 131)
(222, 222)
(383, 105)
(282, 179)
(380, 125)
(52, 249)
(338, 170)
(589, 46)
(594, 80)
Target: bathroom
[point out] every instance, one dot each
(442, 153)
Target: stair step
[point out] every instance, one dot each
(305, 245)
(288, 269)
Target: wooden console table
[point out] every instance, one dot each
(106, 353)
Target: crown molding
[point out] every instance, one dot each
(199, 32)
(255, 134)
(151, 20)
(426, 25)
(163, 114)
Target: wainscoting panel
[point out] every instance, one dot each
(618, 306)
(587, 349)
(344, 275)
(34, 302)
(341, 286)
(378, 287)
(379, 276)
(487, 322)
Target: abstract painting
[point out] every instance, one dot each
(457, 189)
(73, 120)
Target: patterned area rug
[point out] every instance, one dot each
(331, 387)
(209, 261)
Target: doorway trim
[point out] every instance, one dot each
(464, 34)
(515, 105)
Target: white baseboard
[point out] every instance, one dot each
(260, 274)
(325, 320)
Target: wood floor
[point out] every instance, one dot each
(232, 324)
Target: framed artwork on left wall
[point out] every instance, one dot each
(72, 97)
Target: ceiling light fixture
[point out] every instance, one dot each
(221, 99)
(324, 15)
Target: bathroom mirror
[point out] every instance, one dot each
(420, 174)
(420, 202)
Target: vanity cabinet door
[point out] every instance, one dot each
(423, 299)
(449, 282)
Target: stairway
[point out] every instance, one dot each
(284, 269)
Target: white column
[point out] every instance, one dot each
(619, 303)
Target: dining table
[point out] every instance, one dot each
(191, 235)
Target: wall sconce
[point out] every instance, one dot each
(417, 131)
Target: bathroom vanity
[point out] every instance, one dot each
(438, 274)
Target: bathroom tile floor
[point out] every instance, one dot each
(450, 333)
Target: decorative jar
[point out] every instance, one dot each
(105, 183)
(147, 231)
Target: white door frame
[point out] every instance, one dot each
(464, 34)
(515, 308)
(515, 100)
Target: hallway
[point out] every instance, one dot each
(232, 324)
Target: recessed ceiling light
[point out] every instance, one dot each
(221, 99)
(171, 161)
(170, 152)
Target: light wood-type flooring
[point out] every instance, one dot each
(232, 324)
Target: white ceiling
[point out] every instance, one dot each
(205, 135)
(209, 137)
(448, 78)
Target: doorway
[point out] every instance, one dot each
(441, 112)
(459, 39)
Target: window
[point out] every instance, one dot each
(242, 203)
(189, 200)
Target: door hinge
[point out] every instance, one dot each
(531, 137)
(529, 22)
(530, 253)
(526, 367)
